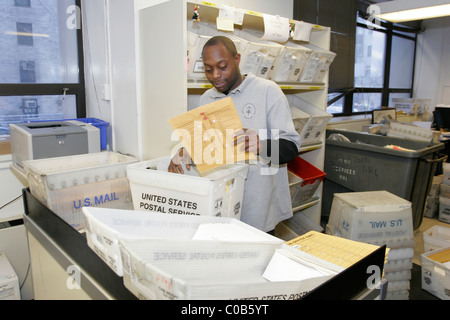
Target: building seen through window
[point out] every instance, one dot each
(39, 48)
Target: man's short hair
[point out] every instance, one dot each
(227, 42)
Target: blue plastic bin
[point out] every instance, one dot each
(101, 125)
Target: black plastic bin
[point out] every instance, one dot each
(365, 164)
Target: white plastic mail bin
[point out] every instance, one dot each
(192, 270)
(446, 179)
(312, 132)
(66, 184)
(435, 238)
(444, 190)
(105, 227)
(291, 62)
(376, 217)
(196, 69)
(436, 272)
(318, 64)
(409, 131)
(257, 56)
(301, 120)
(218, 193)
(444, 209)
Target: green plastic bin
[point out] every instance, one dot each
(365, 164)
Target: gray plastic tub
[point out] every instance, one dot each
(365, 164)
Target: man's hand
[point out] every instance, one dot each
(250, 140)
(181, 157)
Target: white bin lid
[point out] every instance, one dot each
(374, 201)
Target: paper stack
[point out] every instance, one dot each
(315, 254)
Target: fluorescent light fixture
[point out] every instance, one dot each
(411, 10)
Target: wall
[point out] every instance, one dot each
(96, 60)
(432, 73)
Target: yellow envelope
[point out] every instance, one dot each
(207, 133)
(339, 251)
(441, 257)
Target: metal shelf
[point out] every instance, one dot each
(284, 86)
(310, 147)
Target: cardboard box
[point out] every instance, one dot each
(5, 147)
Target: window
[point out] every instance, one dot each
(30, 106)
(402, 62)
(41, 73)
(24, 34)
(27, 72)
(335, 103)
(22, 3)
(369, 62)
(384, 68)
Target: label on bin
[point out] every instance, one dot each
(163, 204)
(97, 200)
(349, 169)
(176, 205)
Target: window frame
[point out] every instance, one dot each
(390, 30)
(48, 89)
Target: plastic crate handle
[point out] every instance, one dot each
(140, 286)
(98, 242)
(443, 159)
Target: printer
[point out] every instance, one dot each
(48, 139)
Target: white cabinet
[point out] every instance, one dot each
(157, 37)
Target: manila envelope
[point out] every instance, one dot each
(207, 133)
